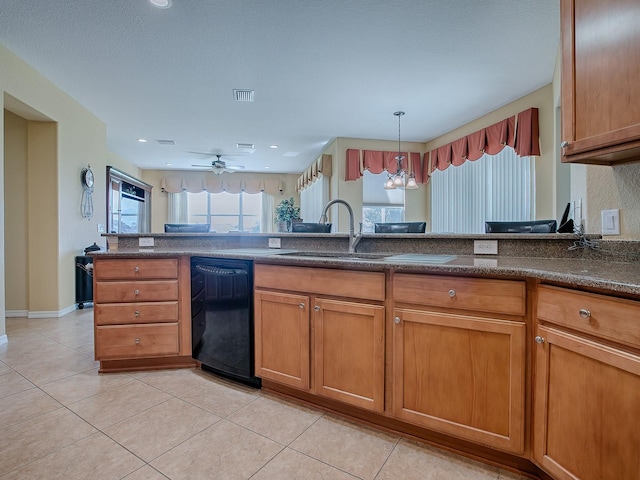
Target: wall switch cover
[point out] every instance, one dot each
(145, 242)
(610, 222)
(485, 247)
(274, 243)
(101, 228)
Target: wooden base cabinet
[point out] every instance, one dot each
(459, 357)
(282, 337)
(322, 342)
(349, 352)
(460, 375)
(587, 385)
(141, 313)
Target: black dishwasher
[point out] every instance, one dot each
(222, 317)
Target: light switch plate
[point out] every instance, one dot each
(485, 247)
(610, 222)
(145, 242)
(274, 243)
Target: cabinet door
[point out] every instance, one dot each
(282, 338)
(461, 375)
(349, 352)
(600, 80)
(586, 408)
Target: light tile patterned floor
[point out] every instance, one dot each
(60, 419)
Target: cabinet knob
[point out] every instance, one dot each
(316, 308)
(136, 292)
(301, 305)
(539, 340)
(136, 269)
(452, 293)
(564, 144)
(136, 313)
(137, 341)
(584, 313)
(396, 320)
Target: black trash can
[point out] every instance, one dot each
(84, 280)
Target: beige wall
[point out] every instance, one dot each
(15, 200)
(76, 138)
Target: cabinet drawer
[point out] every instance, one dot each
(606, 317)
(122, 292)
(123, 313)
(129, 341)
(135, 268)
(324, 281)
(477, 294)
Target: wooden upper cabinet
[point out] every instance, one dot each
(600, 81)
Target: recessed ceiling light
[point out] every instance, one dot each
(273, 146)
(160, 3)
(267, 167)
(142, 140)
(168, 164)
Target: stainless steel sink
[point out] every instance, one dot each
(338, 255)
(420, 258)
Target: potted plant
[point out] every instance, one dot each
(286, 213)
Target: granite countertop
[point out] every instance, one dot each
(614, 276)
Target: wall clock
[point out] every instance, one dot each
(87, 181)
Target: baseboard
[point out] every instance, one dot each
(3, 339)
(15, 313)
(53, 313)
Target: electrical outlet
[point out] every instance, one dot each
(485, 247)
(274, 243)
(610, 222)
(145, 242)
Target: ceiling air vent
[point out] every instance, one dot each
(242, 95)
(246, 146)
(166, 142)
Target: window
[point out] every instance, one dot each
(380, 205)
(226, 212)
(494, 188)
(129, 203)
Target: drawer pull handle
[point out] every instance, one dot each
(539, 340)
(136, 292)
(316, 308)
(301, 305)
(136, 313)
(452, 293)
(584, 313)
(136, 269)
(137, 341)
(396, 320)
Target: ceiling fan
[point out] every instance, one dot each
(219, 166)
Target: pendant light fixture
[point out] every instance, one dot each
(397, 179)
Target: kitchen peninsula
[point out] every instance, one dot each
(507, 358)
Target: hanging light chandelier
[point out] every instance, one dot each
(397, 179)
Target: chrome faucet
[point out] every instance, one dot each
(354, 238)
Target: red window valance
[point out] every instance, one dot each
(522, 135)
(378, 161)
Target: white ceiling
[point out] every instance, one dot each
(320, 69)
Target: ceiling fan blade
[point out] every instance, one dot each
(202, 166)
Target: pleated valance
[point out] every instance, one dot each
(196, 182)
(322, 166)
(520, 133)
(378, 161)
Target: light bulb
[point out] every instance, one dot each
(411, 183)
(388, 185)
(397, 181)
